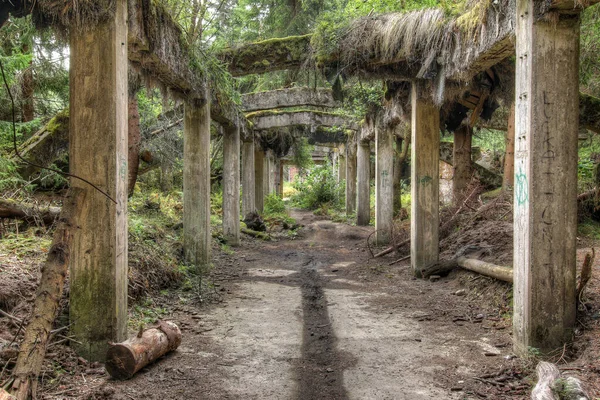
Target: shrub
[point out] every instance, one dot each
(318, 188)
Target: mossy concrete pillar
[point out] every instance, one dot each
(259, 174)
(461, 162)
(425, 158)
(248, 184)
(231, 185)
(363, 184)
(196, 184)
(351, 178)
(384, 184)
(98, 153)
(545, 183)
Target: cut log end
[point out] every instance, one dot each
(120, 361)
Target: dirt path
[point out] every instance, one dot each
(314, 318)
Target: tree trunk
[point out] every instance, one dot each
(166, 176)
(134, 141)
(495, 271)
(28, 212)
(46, 303)
(509, 157)
(398, 176)
(124, 359)
(27, 88)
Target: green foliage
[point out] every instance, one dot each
(589, 157)
(273, 204)
(319, 188)
(10, 180)
(302, 154)
(589, 76)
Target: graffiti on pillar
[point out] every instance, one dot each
(384, 177)
(521, 188)
(425, 180)
(123, 167)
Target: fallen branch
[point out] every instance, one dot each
(443, 229)
(46, 303)
(124, 359)
(28, 212)
(400, 259)
(256, 234)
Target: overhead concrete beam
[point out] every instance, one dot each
(263, 121)
(294, 97)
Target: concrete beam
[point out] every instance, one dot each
(545, 192)
(425, 150)
(248, 184)
(263, 120)
(98, 153)
(231, 186)
(294, 97)
(196, 184)
(384, 184)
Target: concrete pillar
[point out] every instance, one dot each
(425, 157)
(363, 184)
(248, 184)
(342, 166)
(350, 178)
(280, 178)
(259, 172)
(545, 192)
(231, 185)
(509, 155)
(384, 184)
(196, 184)
(461, 162)
(98, 153)
(268, 174)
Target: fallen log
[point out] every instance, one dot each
(485, 268)
(551, 386)
(472, 264)
(124, 359)
(46, 303)
(28, 212)
(259, 235)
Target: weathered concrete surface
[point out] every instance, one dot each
(425, 150)
(293, 97)
(98, 153)
(363, 184)
(231, 186)
(196, 184)
(545, 205)
(259, 176)
(248, 184)
(264, 121)
(384, 184)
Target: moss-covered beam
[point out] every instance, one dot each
(267, 55)
(156, 46)
(274, 119)
(46, 145)
(294, 97)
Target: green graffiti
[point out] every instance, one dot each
(425, 180)
(521, 188)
